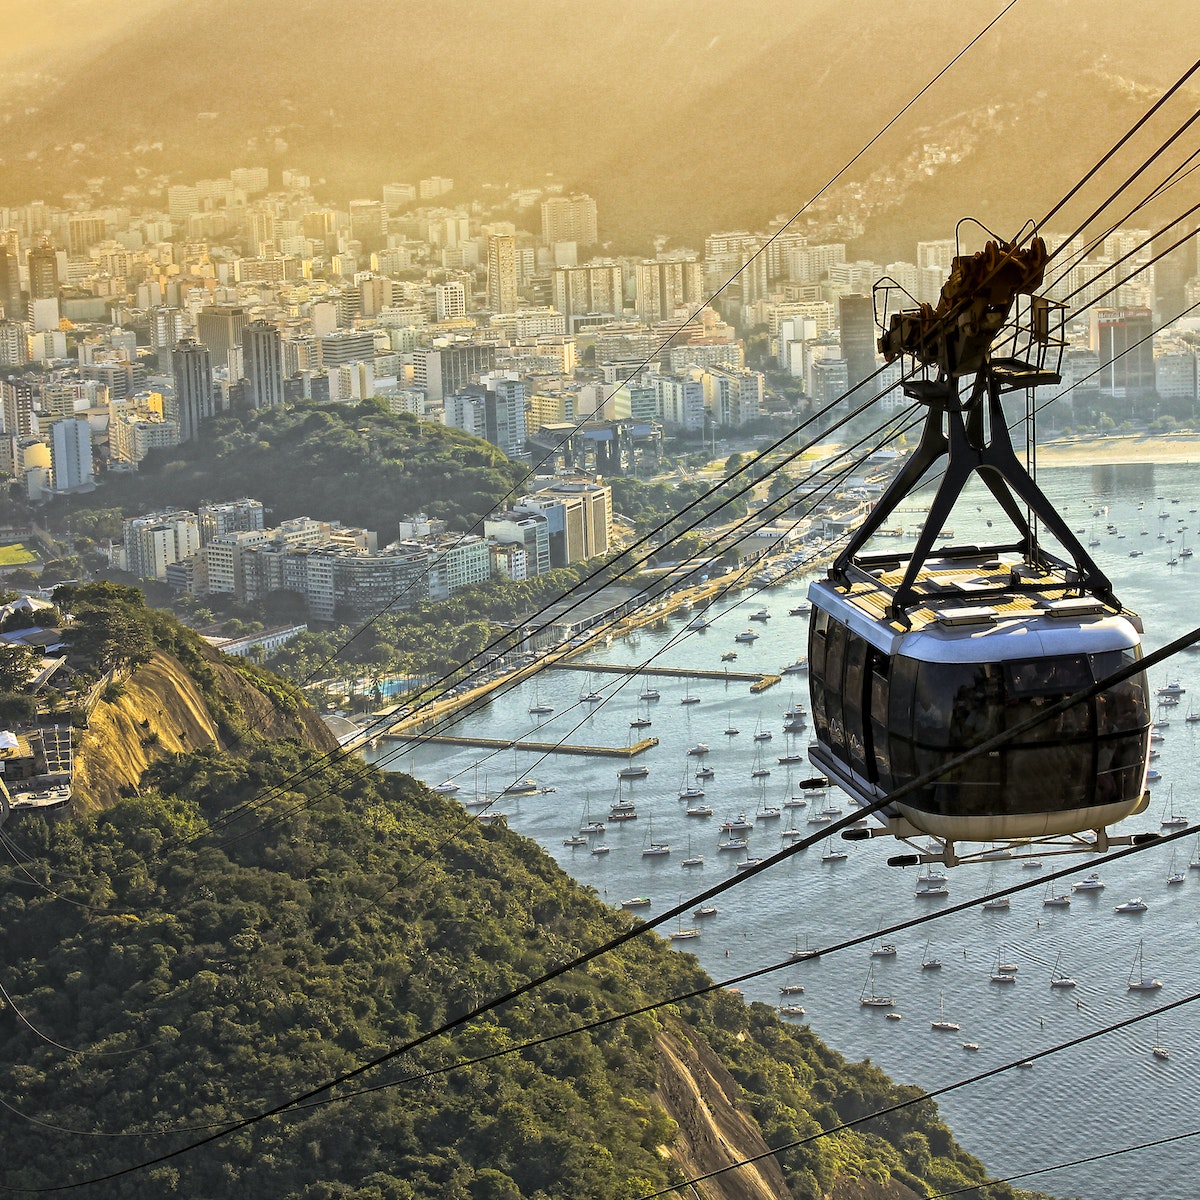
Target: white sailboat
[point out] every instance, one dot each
(1057, 978)
(1158, 1049)
(994, 903)
(1174, 876)
(651, 848)
(930, 962)
(1139, 981)
(869, 998)
(693, 859)
(940, 1023)
(1170, 818)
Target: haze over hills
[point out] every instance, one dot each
(679, 118)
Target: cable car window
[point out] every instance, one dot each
(835, 655)
(900, 721)
(975, 694)
(949, 708)
(1124, 706)
(816, 672)
(877, 750)
(1047, 676)
(853, 695)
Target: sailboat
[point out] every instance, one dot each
(831, 854)
(586, 824)
(1003, 972)
(689, 791)
(758, 771)
(688, 698)
(692, 860)
(651, 848)
(869, 998)
(680, 933)
(941, 1024)
(1171, 819)
(641, 721)
(1174, 876)
(882, 949)
(1055, 899)
(994, 903)
(538, 708)
(761, 734)
(1158, 1049)
(1057, 978)
(790, 833)
(649, 693)
(731, 730)
(930, 962)
(1139, 981)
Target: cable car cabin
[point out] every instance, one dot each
(988, 644)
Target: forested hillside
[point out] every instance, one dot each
(258, 921)
(354, 463)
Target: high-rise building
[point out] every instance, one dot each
(14, 344)
(19, 416)
(857, 315)
(443, 370)
(43, 273)
(219, 327)
(595, 288)
(84, 230)
(1123, 341)
(262, 353)
(733, 395)
(493, 409)
(366, 223)
(344, 346)
(190, 364)
(71, 454)
(569, 219)
(502, 273)
(156, 540)
(450, 301)
(10, 286)
(528, 530)
(232, 516)
(664, 286)
(579, 519)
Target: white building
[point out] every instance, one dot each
(71, 455)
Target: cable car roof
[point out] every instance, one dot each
(979, 608)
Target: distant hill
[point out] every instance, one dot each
(680, 117)
(359, 465)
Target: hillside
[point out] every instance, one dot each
(679, 117)
(255, 922)
(359, 465)
(159, 711)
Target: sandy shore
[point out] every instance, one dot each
(1119, 448)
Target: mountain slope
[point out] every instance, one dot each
(679, 117)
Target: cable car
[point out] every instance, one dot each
(916, 656)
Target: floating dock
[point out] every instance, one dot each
(635, 748)
(666, 672)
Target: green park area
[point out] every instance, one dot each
(16, 555)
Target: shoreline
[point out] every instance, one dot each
(1119, 450)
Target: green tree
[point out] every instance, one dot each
(17, 664)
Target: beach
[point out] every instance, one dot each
(1118, 448)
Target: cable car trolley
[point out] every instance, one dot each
(916, 657)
